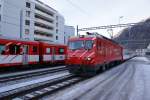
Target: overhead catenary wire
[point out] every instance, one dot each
(77, 7)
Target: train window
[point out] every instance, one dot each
(34, 49)
(48, 50)
(61, 50)
(14, 49)
(74, 45)
(2, 49)
(88, 44)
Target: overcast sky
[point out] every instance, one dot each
(88, 13)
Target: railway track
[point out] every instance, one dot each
(38, 90)
(28, 74)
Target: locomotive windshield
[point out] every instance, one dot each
(88, 44)
(74, 45)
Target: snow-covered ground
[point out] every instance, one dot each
(125, 56)
(29, 81)
(23, 84)
(128, 81)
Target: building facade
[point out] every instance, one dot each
(69, 31)
(31, 20)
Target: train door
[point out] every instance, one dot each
(25, 54)
(53, 54)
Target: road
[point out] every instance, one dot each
(128, 81)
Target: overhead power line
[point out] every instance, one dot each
(107, 27)
(77, 7)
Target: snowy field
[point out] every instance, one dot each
(128, 81)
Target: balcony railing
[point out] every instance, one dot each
(43, 38)
(44, 30)
(44, 14)
(43, 22)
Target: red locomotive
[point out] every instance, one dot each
(19, 53)
(92, 52)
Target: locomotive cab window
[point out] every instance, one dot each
(74, 45)
(61, 51)
(88, 44)
(2, 49)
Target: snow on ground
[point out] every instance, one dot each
(29, 79)
(128, 81)
(28, 71)
(31, 82)
(142, 59)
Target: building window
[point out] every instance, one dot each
(28, 5)
(56, 30)
(27, 22)
(56, 37)
(27, 31)
(28, 13)
(56, 24)
(56, 17)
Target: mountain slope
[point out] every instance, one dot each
(135, 37)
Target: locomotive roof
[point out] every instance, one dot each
(95, 36)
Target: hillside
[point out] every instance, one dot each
(135, 37)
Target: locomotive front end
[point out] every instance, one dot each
(81, 54)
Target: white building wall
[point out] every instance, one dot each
(13, 19)
(27, 35)
(11, 11)
(59, 36)
(69, 32)
(14, 15)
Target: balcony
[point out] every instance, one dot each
(43, 38)
(44, 30)
(40, 13)
(42, 5)
(37, 20)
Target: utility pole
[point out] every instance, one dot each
(77, 30)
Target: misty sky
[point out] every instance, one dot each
(87, 13)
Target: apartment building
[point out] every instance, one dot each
(69, 31)
(31, 20)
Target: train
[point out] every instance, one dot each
(88, 54)
(23, 53)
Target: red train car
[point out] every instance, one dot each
(90, 53)
(22, 53)
(16, 52)
(52, 53)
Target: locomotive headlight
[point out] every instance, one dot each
(88, 58)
